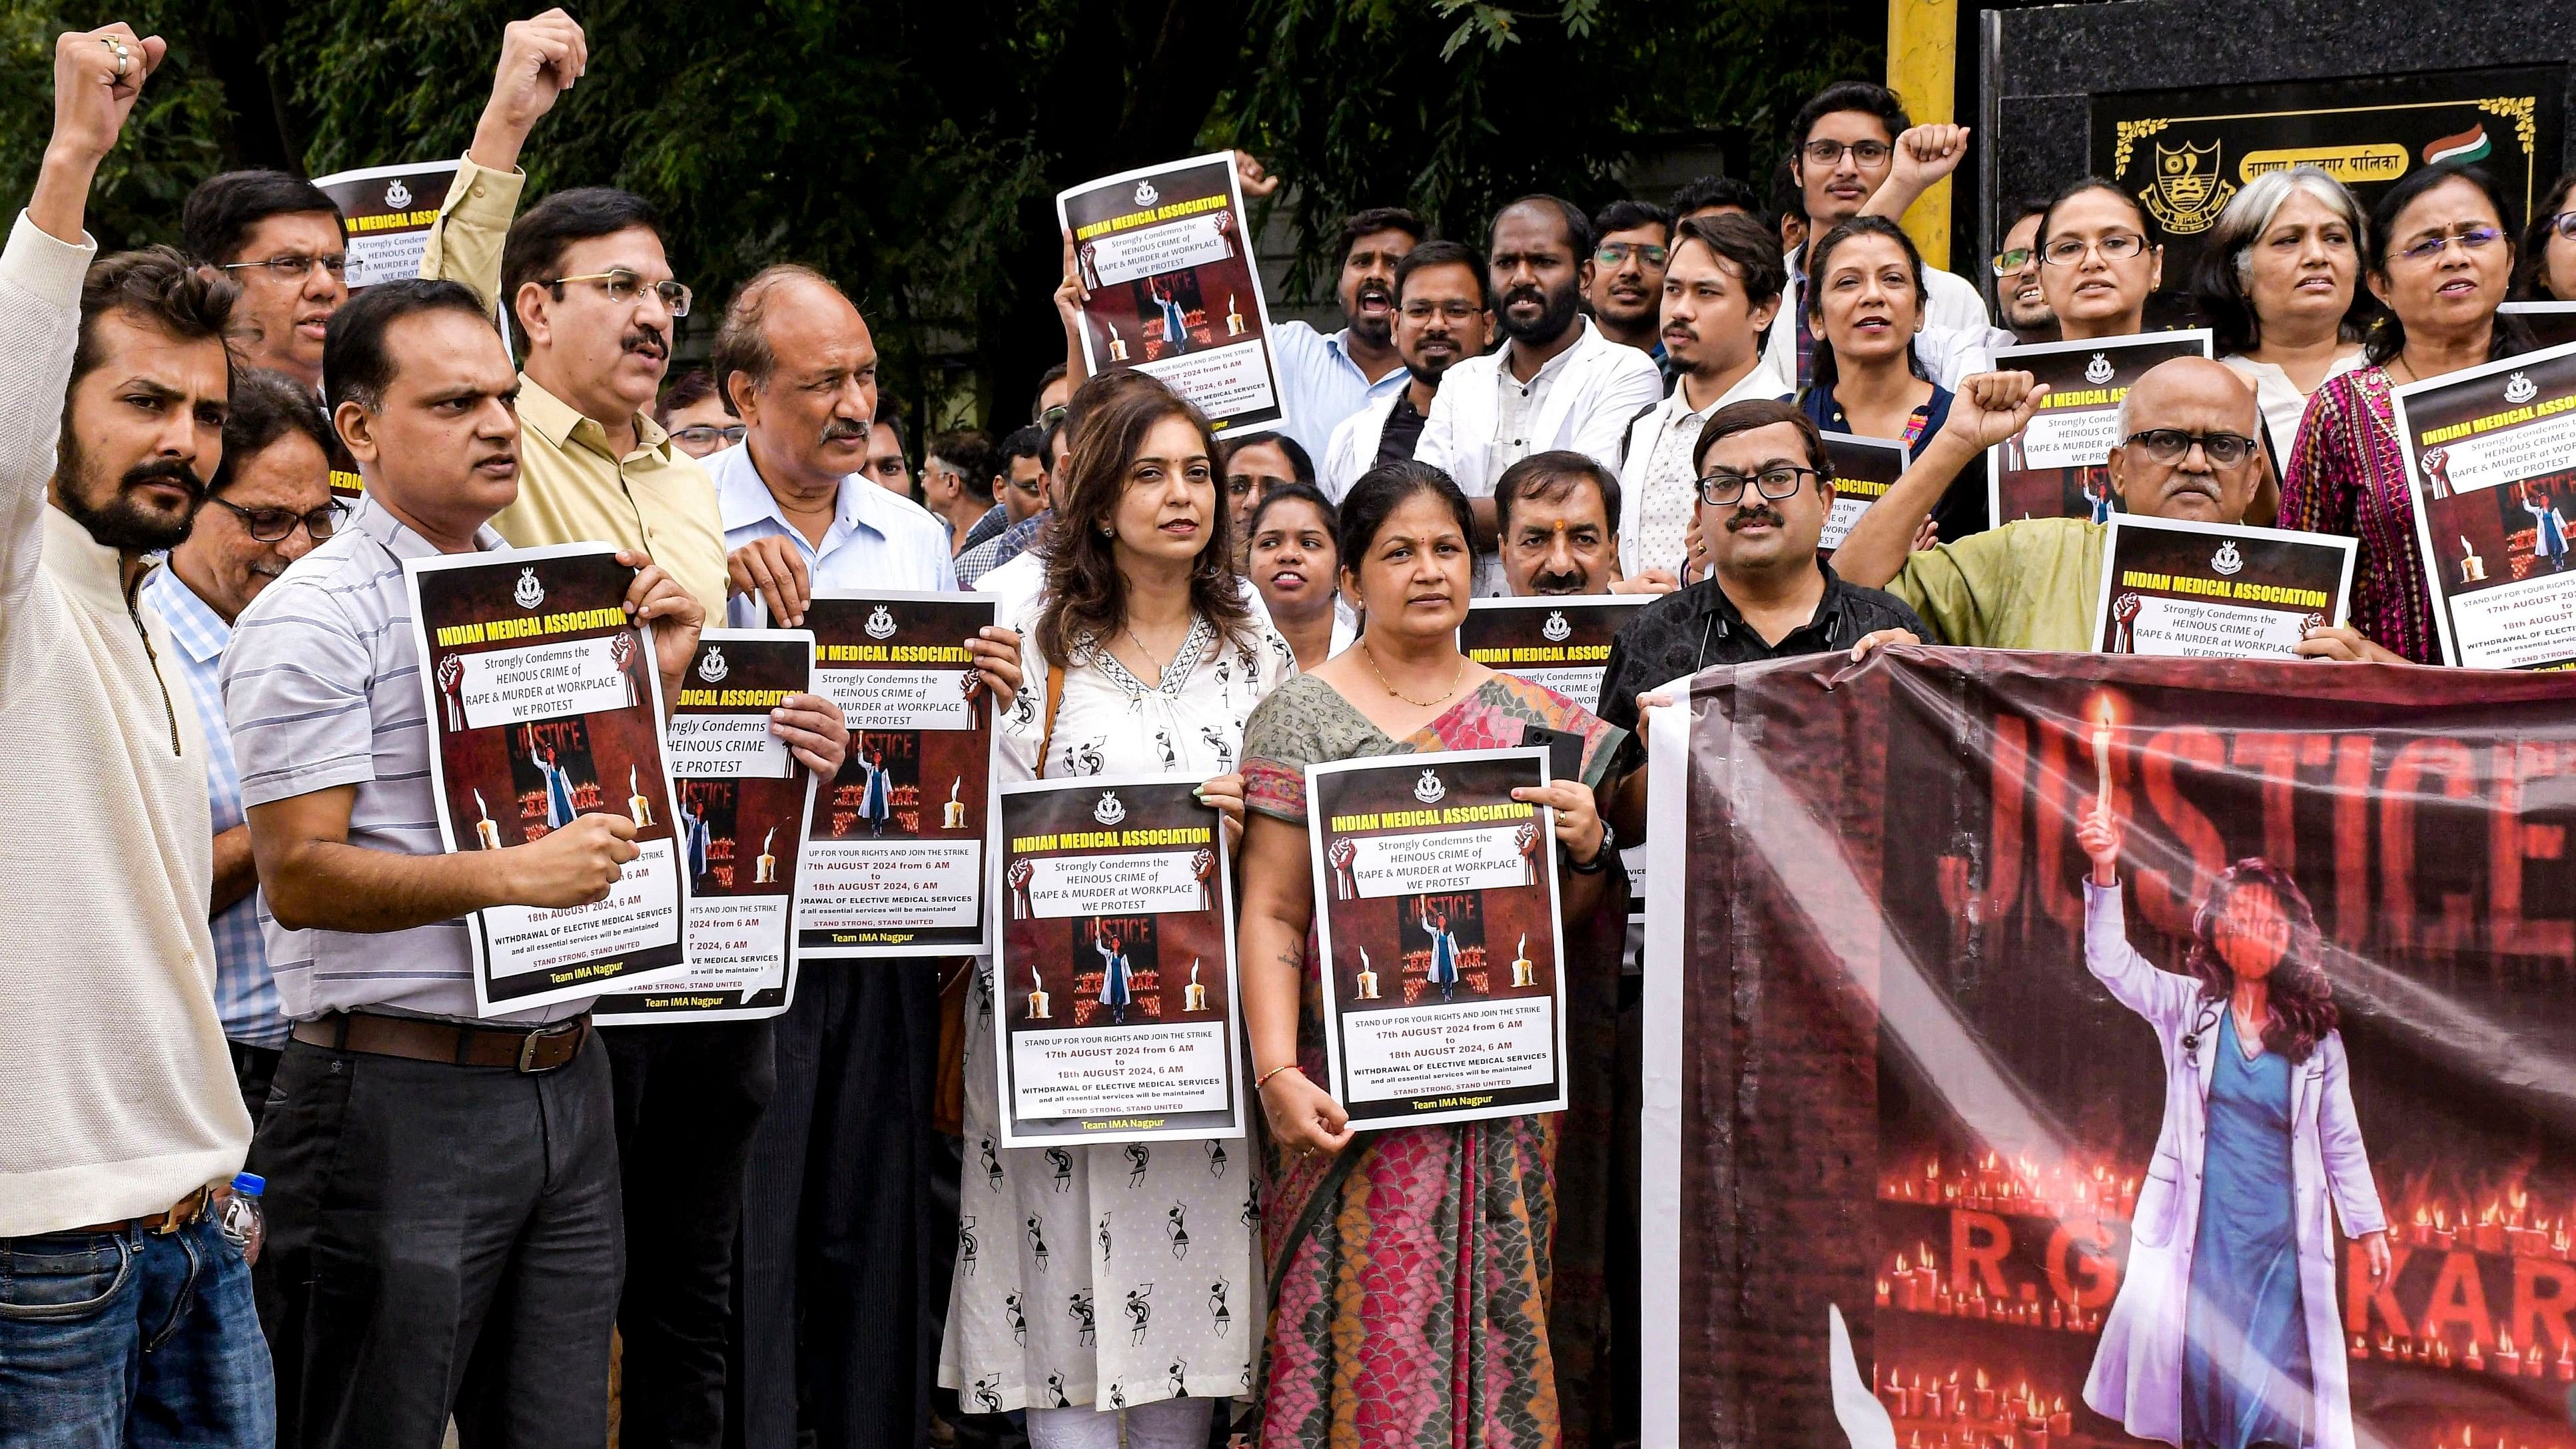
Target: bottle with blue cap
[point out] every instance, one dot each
(243, 1225)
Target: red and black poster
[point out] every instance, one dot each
(2216, 591)
(2059, 466)
(1116, 972)
(2264, 1141)
(895, 866)
(544, 706)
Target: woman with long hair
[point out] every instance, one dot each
(1410, 1267)
(1864, 293)
(2548, 270)
(1141, 657)
(1297, 568)
(2225, 1332)
(2279, 284)
(2439, 256)
(2098, 262)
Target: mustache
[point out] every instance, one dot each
(1534, 295)
(1567, 581)
(1380, 290)
(1763, 513)
(840, 430)
(165, 470)
(647, 340)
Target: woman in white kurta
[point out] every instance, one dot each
(2225, 1330)
(1096, 1283)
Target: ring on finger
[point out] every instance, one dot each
(124, 58)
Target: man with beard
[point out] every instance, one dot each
(1557, 382)
(1443, 315)
(1722, 285)
(2018, 299)
(1553, 511)
(1632, 240)
(1324, 378)
(278, 238)
(118, 1113)
(269, 505)
(591, 297)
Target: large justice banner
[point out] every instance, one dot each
(1906, 1070)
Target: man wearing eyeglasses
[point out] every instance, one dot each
(1325, 377)
(2018, 299)
(591, 297)
(279, 239)
(269, 504)
(1024, 471)
(1443, 316)
(1631, 241)
(1843, 155)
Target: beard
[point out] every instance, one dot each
(119, 521)
(1560, 308)
(1377, 329)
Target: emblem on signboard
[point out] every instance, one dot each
(1109, 811)
(880, 624)
(2519, 389)
(1555, 629)
(2227, 560)
(2098, 371)
(397, 195)
(1146, 195)
(529, 593)
(713, 668)
(2189, 192)
(1429, 790)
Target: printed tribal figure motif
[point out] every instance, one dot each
(876, 798)
(1061, 1163)
(1218, 1313)
(1116, 973)
(1139, 1157)
(1037, 1243)
(1444, 953)
(1079, 1310)
(1139, 1312)
(558, 784)
(1176, 1226)
(966, 1243)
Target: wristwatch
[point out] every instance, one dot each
(1600, 858)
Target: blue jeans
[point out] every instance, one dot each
(132, 1338)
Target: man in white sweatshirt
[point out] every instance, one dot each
(119, 1120)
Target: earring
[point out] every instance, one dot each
(1108, 532)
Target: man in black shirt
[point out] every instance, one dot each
(1765, 489)
(1443, 316)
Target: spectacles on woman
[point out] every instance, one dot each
(702, 434)
(2564, 223)
(624, 286)
(1725, 487)
(272, 525)
(2170, 445)
(2470, 238)
(2119, 246)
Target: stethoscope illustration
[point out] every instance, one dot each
(2191, 1039)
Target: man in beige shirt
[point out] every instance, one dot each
(591, 299)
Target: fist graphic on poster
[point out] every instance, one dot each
(1202, 863)
(970, 684)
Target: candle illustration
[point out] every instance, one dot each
(2473, 569)
(764, 871)
(636, 804)
(484, 830)
(1368, 977)
(2102, 758)
(1522, 972)
(1038, 1008)
(1233, 318)
(1117, 344)
(1194, 996)
(954, 817)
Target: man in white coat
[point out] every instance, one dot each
(1556, 383)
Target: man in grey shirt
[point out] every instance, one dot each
(444, 1228)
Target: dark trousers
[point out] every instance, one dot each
(253, 1069)
(441, 1239)
(844, 1261)
(688, 1097)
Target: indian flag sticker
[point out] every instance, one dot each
(2470, 145)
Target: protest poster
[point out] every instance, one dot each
(895, 862)
(1560, 642)
(1115, 974)
(742, 800)
(1925, 1111)
(2552, 324)
(544, 705)
(1174, 292)
(1864, 469)
(2491, 452)
(1436, 911)
(385, 216)
(2216, 591)
(2060, 465)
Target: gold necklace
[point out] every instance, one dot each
(1441, 698)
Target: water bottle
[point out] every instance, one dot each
(242, 1225)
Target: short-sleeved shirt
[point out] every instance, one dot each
(2030, 584)
(322, 687)
(245, 994)
(1693, 628)
(876, 541)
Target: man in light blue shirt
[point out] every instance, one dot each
(268, 506)
(1326, 377)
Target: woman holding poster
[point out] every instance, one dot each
(2440, 260)
(1142, 658)
(2225, 1332)
(1410, 1266)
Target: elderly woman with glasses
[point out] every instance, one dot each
(2279, 283)
(2440, 256)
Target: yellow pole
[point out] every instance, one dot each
(1923, 69)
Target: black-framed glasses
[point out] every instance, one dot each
(1453, 311)
(294, 268)
(1864, 153)
(625, 286)
(1725, 488)
(2170, 445)
(2470, 238)
(272, 525)
(1612, 254)
(2119, 246)
(2010, 263)
(701, 434)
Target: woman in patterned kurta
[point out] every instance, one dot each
(1096, 1284)
(1410, 1267)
